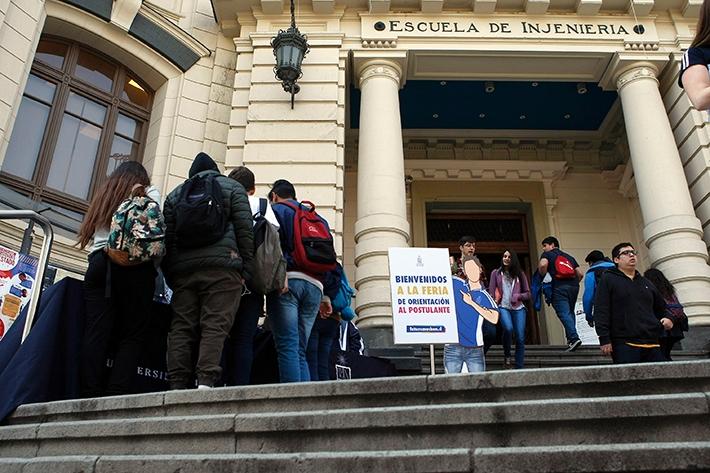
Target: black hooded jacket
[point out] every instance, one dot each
(628, 310)
(236, 248)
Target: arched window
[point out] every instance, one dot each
(81, 115)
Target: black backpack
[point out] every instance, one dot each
(598, 272)
(200, 216)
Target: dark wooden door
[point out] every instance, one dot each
(494, 234)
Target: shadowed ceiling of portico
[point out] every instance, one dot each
(434, 104)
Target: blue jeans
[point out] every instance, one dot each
(456, 355)
(291, 316)
(563, 301)
(239, 347)
(513, 322)
(320, 343)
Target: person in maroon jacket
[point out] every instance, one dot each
(509, 287)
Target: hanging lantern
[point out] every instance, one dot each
(290, 47)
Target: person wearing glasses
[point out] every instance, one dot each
(629, 312)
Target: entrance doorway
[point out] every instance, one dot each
(494, 233)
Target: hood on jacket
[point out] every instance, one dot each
(602, 264)
(202, 162)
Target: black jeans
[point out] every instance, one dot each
(118, 302)
(204, 305)
(623, 353)
(239, 347)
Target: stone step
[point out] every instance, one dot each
(654, 457)
(541, 356)
(421, 461)
(603, 420)
(496, 386)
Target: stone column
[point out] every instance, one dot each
(381, 197)
(672, 232)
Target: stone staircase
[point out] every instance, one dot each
(542, 356)
(643, 418)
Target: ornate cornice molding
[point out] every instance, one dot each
(424, 169)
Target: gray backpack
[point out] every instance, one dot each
(269, 262)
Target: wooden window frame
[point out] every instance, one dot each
(66, 82)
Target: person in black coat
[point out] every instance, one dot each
(629, 312)
(207, 280)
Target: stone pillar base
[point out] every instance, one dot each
(696, 339)
(379, 343)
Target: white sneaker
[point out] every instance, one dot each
(203, 386)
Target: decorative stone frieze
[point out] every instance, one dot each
(379, 44)
(641, 46)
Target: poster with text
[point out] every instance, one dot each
(587, 334)
(17, 275)
(423, 308)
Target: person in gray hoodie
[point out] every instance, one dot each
(207, 280)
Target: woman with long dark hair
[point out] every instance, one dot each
(694, 77)
(674, 311)
(118, 298)
(509, 286)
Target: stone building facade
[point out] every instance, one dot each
(377, 139)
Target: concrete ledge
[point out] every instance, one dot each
(645, 457)
(479, 413)
(71, 464)
(549, 383)
(524, 423)
(635, 457)
(415, 461)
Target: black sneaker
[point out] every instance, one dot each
(574, 345)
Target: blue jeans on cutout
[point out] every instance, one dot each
(513, 322)
(291, 316)
(456, 355)
(563, 300)
(320, 343)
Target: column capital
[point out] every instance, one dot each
(391, 64)
(634, 72)
(627, 66)
(379, 68)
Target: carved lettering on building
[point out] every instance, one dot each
(553, 28)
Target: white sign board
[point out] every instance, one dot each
(423, 308)
(586, 333)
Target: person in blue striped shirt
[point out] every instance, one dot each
(473, 306)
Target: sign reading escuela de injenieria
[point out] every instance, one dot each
(552, 27)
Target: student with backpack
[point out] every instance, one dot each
(119, 294)
(565, 273)
(210, 249)
(307, 245)
(325, 328)
(598, 264)
(269, 275)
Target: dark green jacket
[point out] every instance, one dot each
(234, 251)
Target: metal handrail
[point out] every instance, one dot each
(42, 263)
